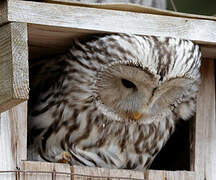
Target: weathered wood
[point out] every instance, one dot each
(90, 20)
(116, 174)
(205, 139)
(161, 4)
(13, 140)
(47, 40)
(43, 171)
(58, 39)
(84, 173)
(124, 6)
(149, 3)
(51, 168)
(169, 175)
(14, 80)
(208, 51)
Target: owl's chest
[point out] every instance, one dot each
(123, 147)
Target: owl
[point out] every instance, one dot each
(112, 100)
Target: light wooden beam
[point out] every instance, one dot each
(13, 140)
(14, 80)
(205, 136)
(84, 173)
(88, 20)
(170, 175)
(51, 168)
(115, 174)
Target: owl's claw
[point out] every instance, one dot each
(65, 157)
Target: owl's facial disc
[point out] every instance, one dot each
(125, 91)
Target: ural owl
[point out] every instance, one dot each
(113, 100)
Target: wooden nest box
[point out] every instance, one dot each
(41, 29)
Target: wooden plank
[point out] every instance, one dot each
(169, 175)
(13, 140)
(115, 5)
(111, 21)
(47, 40)
(205, 144)
(14, 81)
(50, 168)
(85, 173)
(103, 20)
(38, 169)
(208, 51)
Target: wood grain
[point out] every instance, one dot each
(102, 173)
(169, 175)
(116, 174)
(103, 20)
(132, 8)
(86, 173)
(49, 40)
(13, 139)
(205, 139)
(14, 80)
(44, 166)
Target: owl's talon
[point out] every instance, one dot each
(65, 157)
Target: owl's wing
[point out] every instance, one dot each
(45, 82)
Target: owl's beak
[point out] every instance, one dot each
(137, 115)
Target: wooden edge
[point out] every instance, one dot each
(14, 77)
(170, 175)
(205, 134)
(83, 173)
(102, 173)
(97, 20)
(45, 171)
(104, 20)
(19, 42)
(208, 51)
(13, 140)
(18, 121)
(45, 40)
(132, 8)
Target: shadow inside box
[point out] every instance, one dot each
(175, 155)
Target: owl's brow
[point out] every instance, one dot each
(145, 69)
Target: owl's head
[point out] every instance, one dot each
(148, 77)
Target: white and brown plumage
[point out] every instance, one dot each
(113, 101)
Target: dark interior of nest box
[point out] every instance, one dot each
(46, 41)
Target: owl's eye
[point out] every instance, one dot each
(128, 84)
